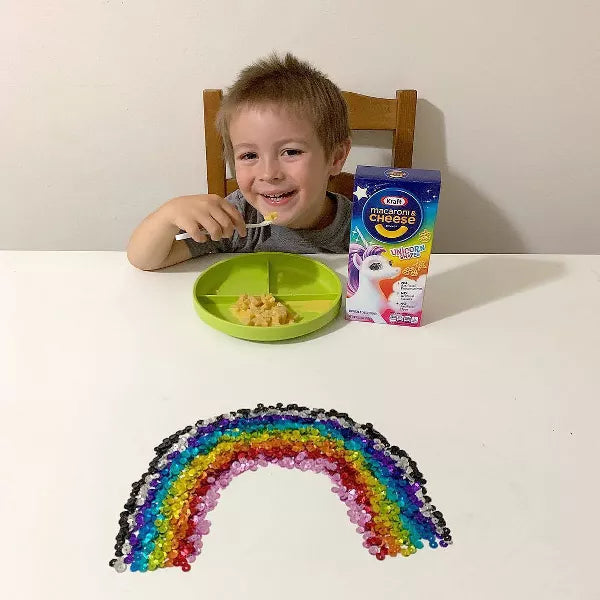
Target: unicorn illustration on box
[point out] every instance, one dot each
(366, 268)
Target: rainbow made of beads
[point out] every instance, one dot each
(165, 517)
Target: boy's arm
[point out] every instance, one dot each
(153, 246)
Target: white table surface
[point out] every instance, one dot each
(495, 397)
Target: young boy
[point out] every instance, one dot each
(285, 132)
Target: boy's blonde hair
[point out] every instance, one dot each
(293, 84)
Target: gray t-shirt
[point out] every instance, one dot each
(331, 239)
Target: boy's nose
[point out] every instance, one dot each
(271, 170)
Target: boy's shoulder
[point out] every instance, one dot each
(335, 237)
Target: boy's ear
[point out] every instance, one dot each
(339, 156)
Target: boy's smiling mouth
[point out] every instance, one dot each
(278, 199)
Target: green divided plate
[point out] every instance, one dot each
(309, 288)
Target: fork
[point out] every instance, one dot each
(270, 218)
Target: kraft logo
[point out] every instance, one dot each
(394, 201)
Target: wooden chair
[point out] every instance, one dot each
(365, 113)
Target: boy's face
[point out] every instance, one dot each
(280, 165)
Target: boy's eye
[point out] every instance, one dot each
(248, 156)
(292, 152)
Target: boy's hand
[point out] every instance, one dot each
(207, 211)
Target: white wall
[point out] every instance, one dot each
(101, 108)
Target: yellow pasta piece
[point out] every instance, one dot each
(262, 311)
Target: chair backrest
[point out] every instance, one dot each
(365, 113)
